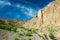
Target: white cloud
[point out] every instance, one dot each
(27, 11)
(1, 2)
(30, 12)
(4, 3)
(8, 3)
(19, 6)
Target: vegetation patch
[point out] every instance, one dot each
(28, 32)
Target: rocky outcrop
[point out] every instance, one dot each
(50, 15)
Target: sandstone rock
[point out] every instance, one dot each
(50, 15)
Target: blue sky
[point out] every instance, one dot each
(21, 9)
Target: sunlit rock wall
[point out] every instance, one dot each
(50, 15)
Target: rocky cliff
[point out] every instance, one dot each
(50, 15)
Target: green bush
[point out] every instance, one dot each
(14, 29)
(51, 35)
(28, 33)
(16, 39)
(8, 27)
(30, 39)
(21, 33)
(32, 30)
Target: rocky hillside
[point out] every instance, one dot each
(12, 21)
(50, 15)
(47, 22)
(12, 30)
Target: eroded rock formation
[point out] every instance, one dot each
(50, 15)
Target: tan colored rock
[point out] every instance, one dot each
(50, 15)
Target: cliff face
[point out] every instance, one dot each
(47, 17)
(50, 15)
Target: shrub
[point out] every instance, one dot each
(28, 33)
(16, 39)
(51, 35)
